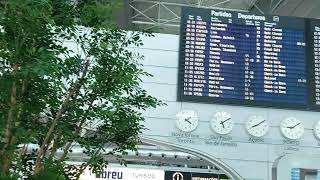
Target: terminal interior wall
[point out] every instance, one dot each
(251, 158)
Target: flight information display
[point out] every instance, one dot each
(257, 60)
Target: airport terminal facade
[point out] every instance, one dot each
(241, 86)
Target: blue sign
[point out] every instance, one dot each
(295, 174)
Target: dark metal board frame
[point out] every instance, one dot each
(289, 22)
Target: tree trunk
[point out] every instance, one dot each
(44, 144)
(65, 151)
(42, 150)
(6, 161)
(68, 145)
(55, 145)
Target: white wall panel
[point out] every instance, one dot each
(167, 111)
(252, 171)
(165, 58)
(163, 42)
(159, 126)
(164, 75)
(168, 91)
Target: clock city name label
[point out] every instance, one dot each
(185, 137)
(222, 140)
(256, 140)
(291, 145)
(212, 140)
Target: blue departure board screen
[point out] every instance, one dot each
(246, 59)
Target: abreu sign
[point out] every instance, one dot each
(122, 173)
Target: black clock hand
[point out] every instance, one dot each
(258, 124)
(222, 122)
(188, 120)
(293, 126)
(222, 125)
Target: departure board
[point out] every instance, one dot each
(246, 59)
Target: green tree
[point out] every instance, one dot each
(56, 98)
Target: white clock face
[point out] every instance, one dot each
(292, 128)
(187, 120)
(222, 123)
(257, 126)
(317, 130)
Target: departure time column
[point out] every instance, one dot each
(195, 46)
(316, 54)
(189, 56)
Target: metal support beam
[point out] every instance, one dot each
(204, 6)
(266, 6)
(253, 4)
(219, 3)
(165, 15)
(256, 6)
(276, 6)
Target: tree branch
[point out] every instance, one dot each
(69, 143)
(55, 145)
(76, 88)
(87, 163)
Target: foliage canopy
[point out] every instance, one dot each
(53, 98)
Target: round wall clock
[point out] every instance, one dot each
(316, 130)
(222, 123)
(257, 126)
(187, 120)
(292, 128)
